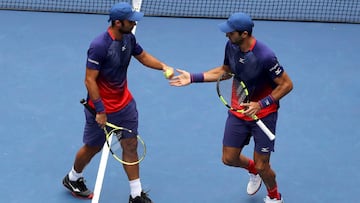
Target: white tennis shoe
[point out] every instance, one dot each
(268, 200)
(254, 184)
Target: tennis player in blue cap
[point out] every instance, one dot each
(108, 59)
(256, 65)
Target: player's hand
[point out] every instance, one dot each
(168, 72)
(182, 79)
(101, 119)
(251, 108)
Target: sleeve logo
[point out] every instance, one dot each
(93, 61)
(276, 69)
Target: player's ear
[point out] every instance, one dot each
(119, 22)
(244, 34)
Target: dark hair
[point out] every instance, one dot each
(240, 32)
(113, 22)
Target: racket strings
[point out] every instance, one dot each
(241, 91)
(233, 91)
(241, 95)
(138, 149)
(118, 135)
(115, 145)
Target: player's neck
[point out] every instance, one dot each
(248, 44)
(115, 34)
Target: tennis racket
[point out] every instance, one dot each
(114, 135)
(232, 92)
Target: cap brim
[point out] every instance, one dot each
(225, 27)
(136, 16)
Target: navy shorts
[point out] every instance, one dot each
(126, 117)
(238, 133)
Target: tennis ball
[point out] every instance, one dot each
(168, 73)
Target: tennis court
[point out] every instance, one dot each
(42, 60)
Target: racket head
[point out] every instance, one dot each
(116, 136)
(119, 137)
(232, 91)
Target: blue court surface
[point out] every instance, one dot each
(42, 61)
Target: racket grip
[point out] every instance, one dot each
(266, 130)
(87, 106)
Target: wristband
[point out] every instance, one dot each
(99, 106)
(267, 101)
(196, 77)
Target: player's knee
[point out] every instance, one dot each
(262, 167)
(129, 145)
(227, 160)
(91, 149)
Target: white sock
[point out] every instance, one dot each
(135, 188)
(73, 175)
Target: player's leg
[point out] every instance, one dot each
(231, 156)
(262, 152)
(236, 136)
(94, 139)
(74, 180)
(263, 167)
(129, 146)
(128, 117)
(84, 156)
(268, 175)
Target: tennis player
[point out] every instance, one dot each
(256, 65)
(108, 59)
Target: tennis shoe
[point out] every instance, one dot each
(78, 187)
(254, 184)
(268, 200)
(140, 199)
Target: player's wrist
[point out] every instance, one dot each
(196, 77)
(164, 67)
(266, 101)
(99, 106)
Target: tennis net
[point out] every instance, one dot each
(341, 11)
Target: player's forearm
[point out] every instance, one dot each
(150, 61)
(213, 74)
(209, 76)
(280, 91)
(93, 91)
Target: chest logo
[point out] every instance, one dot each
(242, 60)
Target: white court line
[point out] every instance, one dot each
(101, 172)
(105, 152)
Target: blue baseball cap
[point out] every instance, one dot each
(237, 22)
(123, 11)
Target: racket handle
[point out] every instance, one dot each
(87, 106)
(265, 129)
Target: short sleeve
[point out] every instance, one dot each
(137, 50)
(273, 67)
(95, 56)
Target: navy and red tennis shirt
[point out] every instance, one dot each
(256, 68)
(111, 58)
